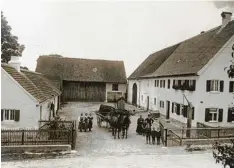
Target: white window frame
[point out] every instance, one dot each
(10, 115)
(213, 113)
(175, 108)
(212, 85)
(190, 82)
(161, 104)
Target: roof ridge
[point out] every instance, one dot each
(80, 58)
(37, 73)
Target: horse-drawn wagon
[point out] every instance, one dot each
(103, 113)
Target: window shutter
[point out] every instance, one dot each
(186, 111)
(2, 112)
(231, 86)
(173, 82)
(208, 85)
(193, 113)
(194, 85)
(220, 115)
(221, 86)
(17, 115)
(229, 119)
(168, 83)
(172, 109)
(179, 82)
(207, 111)
(186, 84)
(178, 109)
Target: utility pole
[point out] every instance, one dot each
(189, 117)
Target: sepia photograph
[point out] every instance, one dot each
(117, 84)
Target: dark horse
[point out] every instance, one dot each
(115, 123)
(125, 125)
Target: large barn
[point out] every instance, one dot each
(85, 79)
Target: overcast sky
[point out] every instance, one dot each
(127, 31)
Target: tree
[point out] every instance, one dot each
(224, 154)
(9, 43)
(230, 69)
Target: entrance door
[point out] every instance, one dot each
(147, 107)
(168, 110)
(134, 94)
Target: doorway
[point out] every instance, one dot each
(147, 107)
(168, 110)
(134, 94)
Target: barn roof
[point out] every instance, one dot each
(193, 54)
(34, 83)
(152, 62)
(77, 69)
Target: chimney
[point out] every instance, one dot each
(15, 62)
(226, 17)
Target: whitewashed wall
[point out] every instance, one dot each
(121, 88)
(13, 97)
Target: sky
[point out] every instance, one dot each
(111, 30)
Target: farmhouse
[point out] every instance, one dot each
(192, 69)
(27, 97)
(85, 79)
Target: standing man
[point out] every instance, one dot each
(52, 109)
(149, 120)
(140, 125)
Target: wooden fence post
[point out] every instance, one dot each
(22, 137)
(73, 145)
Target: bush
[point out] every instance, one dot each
(224, 154)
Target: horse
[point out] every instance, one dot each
(115, 123)
(125, 126)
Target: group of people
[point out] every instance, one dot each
(86, 119)
(144, 127)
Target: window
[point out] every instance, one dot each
(214, 86)
(168, 83)
(155, 83)
(182, 109)
(213, 115)
(161, 104)
(155, 102)
(174, 108)
(115, 87)
(141, 97)
(190, 83)
(176, 82)
(164, 83)
(10, 115)
(160, 83)
(231, 86)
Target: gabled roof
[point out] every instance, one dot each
(193, 54)
(77, 69)
(34, 83)
(152, 62)
(42, 83)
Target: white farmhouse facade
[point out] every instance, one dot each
(193, 70)
(26, 97)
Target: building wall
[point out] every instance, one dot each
(215, 70)
(121, 88)
(46, 108)
(13, 97)
(130, 89)
(199, 98)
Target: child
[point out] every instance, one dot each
(158, 135)
(153, 134)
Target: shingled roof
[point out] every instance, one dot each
(77, 69)
(193, 54)
(34, 83)
(152, 62)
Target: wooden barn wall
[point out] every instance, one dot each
(84, 91)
